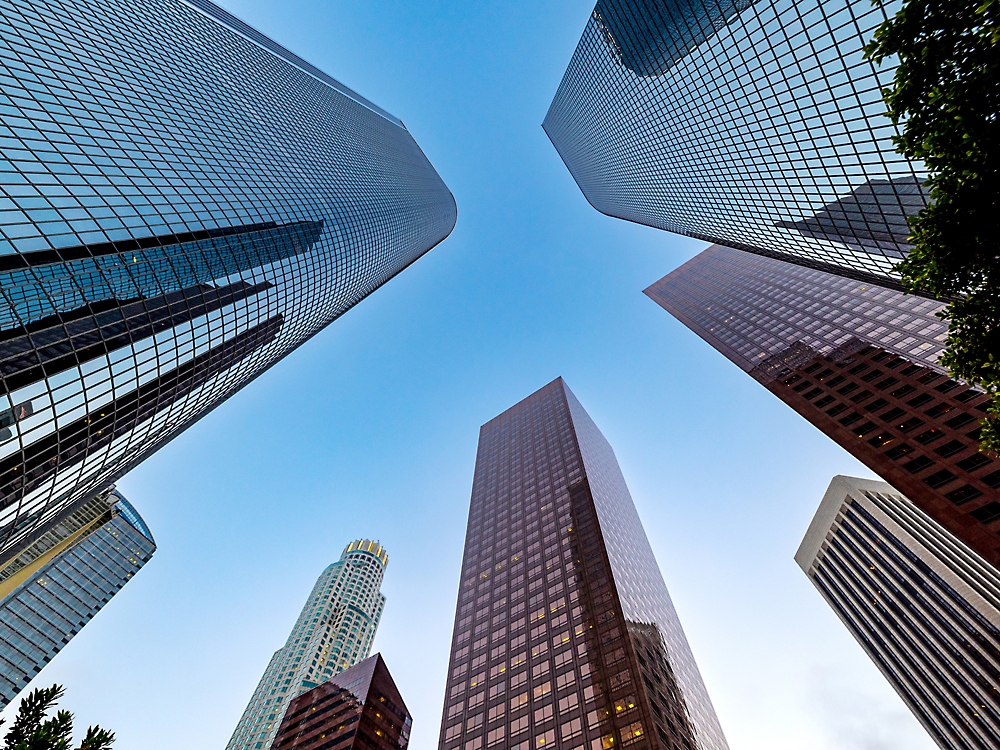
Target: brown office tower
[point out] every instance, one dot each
(861, 363)
(565, 635)
(358, 708)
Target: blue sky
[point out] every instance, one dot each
(370, 429)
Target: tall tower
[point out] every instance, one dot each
(60, 582)
(756, 124)
(565, 635)
(183, 202)
(860, 362)
(923, 606)
(334, 632)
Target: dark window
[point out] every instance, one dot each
(962, 419)
(940, 478)
(887, 383)
(871, 376)
(992, 480)
(850, 419)
(892, 364)
(966, 396)
(918, 464)
(836, 410)
(899, 451)
(928, 437)
(802, 386)
(951, 448)
(813, 367)
(910, 424)
(883, 438)
(911, 370)
(881, 356)
(937, 411)
(973, 462)
(864, 429)
(928, 377)
(920, 400)
(825, 374)
(862, 396)
(948, 385)
(834, 382)
(906, 390)
(858, 368)
(825, 401)
(892, 414)
(849, 388)
(877, 404)
(963, 494)
(987, 513)
(812, 394)
(793, 379)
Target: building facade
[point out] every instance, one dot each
(754, 124)
(565, 635)
(359, 708)
(860, 363)
(923, 606)
(334, 631)
(57, 585)
(182, 203)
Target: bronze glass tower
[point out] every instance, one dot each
(860, 363)
(565, 635)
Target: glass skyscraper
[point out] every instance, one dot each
(57, 584)
(860, 362)
(754, 124)
(923, 606)
(334, 631)
(182, 203)
(565, 635)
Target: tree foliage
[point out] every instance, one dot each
(946, 99)
(33, 729)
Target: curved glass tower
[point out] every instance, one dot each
(755, 124)
(56, 585)
(334, 632)
(183, 202)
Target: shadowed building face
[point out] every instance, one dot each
(565, 635)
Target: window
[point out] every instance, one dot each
(951, 448)
(973, 462)
(497, 711)
(452, 732)
(546, 739)
(960, 420)
(518, 700)
(883, 438)
(569, 703)
(989, 512)
(542, 690)
(496, 736)
(571, 729)
(963, 494)
(519, 725)
(543, 714)
(892, 414)
(632, 733)
(940, 478)
(918, 464)
(929, 436)
(899, 451)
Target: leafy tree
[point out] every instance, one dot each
(946, 97)
(34, 730)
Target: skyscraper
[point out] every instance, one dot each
(757, 124)
(860, 363)
(359, 708)
(183, 202)
(57, 584)
(565, 635)
(923, 606)
(334, 631)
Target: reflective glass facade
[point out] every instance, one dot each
(64, 578)
(334, 631)
(359, 708)
(756, 125)
(565, 635)
(182, 203)
(923, 606)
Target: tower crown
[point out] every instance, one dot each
(367, 545)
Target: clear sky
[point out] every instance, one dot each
(370, 429)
